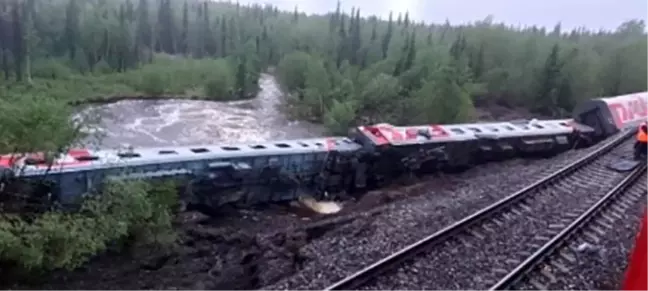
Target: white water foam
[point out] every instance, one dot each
(143, 123)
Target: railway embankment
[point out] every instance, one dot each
(287, 247)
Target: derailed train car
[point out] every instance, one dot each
(370, 157)
(211, 175)
(608, 115)
(448, 147)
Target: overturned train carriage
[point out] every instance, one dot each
(427, 148)
(610, 114)
(210, 175)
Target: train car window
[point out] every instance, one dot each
(200, 150)
(509, 127)
(563, 124)
(475, 129)
(86, 158)
(167, 152)
(493, 129)
(319, 144)
(129, 155)
(457, 130)
(424, 133)
(282, 145)
(303, 144)
(230, 148)
(538, 126)
(33, 161)
(257, 147)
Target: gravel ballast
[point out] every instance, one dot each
(596, 257)
(478, 258)
(358, 244)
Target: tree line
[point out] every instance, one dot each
(339, 68)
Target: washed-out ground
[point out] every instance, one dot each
(282, 246)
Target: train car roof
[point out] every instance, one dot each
(83, 159)
(404, 135)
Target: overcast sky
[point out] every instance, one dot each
(593, 14)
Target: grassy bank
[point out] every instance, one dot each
(165, 77)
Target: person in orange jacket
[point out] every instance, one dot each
(641, 144)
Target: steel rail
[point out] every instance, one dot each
(532, 261)
(357, 279)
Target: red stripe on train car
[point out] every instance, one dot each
(74, 153)
(7, 160)
(330, 144)
(393, 132)
(438, 131)
(411, 133)
(77, 153)
(375, 134)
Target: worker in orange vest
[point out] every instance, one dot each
(641, 145)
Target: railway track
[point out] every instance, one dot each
(559, 256)
(479, 250)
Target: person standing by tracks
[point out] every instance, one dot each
(641, 145)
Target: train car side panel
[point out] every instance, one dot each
(609, 115)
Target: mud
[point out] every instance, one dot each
(244, 249)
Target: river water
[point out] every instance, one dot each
(147, 123)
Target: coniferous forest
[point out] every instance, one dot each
(340, 69)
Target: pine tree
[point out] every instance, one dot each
(388, 36)
(548, 89)
(144, 34)
(29, 36)
(241, 77)
(18, 40)
(184, 37)
(72, 27)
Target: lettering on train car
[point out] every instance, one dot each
(392, 133)
(433, 131)
(627, 111)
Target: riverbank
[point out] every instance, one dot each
(102, 100)
(167, 77)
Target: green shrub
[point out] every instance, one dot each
(153, 83)
(61, 79)
(51, 69)
(54, 240)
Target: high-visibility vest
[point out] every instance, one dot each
(642, 134)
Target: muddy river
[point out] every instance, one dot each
(145, 123)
